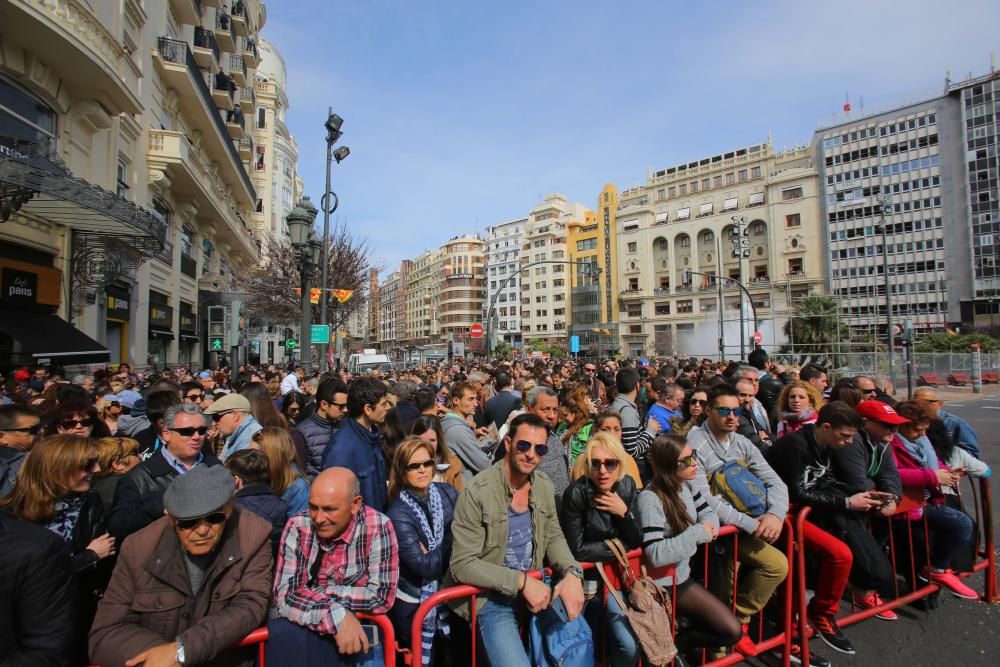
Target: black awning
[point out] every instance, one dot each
(156, 332)
(47, 337)
(191, 337)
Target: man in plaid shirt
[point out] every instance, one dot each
(339, 559)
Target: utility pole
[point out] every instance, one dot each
(884, 202)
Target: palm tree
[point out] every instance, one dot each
(814, 329)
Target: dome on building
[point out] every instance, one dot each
(272, 65)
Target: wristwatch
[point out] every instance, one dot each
(574, 570)
(180, 652)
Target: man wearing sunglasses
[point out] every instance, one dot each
(139, 496)
(231, 414)
(314, 431)
(505, 525)
(191, 584)
(19, 430)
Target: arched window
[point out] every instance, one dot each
(23, 117)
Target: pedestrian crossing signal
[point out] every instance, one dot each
(215, 344)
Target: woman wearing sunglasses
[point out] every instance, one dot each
(675, 520)
(693, 412)
(116, 456)
(109, 409)
(599, 505)
(54, 491)
(77, 418)
(421, 511)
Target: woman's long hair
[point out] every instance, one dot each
(815, 398)
(663, 455)
(262, 406)
(44, 477)
(576, 400)
(406, 449)
(425, 423)
(277, 445)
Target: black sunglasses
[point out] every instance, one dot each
(698, 401)
(188, 431)
(31, 430)
(114, 404)
(610, 465)
(413, 467)
(215, 518)
(89, 464)
(525, 446)
(195, 397)
(73, 423)
(219, 415)
(686, 462)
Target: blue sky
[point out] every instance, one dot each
(462, 114)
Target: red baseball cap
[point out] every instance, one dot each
(21, 375)
(880, 412)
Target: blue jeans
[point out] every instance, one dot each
(952, 531)
(500, 632)
(292, 644)
(622, 646)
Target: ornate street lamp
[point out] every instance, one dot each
(300, 222)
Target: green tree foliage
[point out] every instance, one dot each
(815, 329)
(944, 342)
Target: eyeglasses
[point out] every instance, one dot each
(219, 415)
(868, 392)
(215, 518)
(725, 412)
(699, 401)
(194, 397)
(413, 467)
(188, 431)
(74, 423)
(340, 406)
(31, 430)
(610, 465)
(89, 464)
(524, 446)
(687, 462)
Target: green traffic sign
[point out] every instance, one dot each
(319, 334)
(215, 344)
(291, 342)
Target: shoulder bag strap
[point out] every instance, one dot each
(608, 587)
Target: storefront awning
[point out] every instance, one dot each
(189, 337)
(35, 181)
(155, 332)
(49, 339)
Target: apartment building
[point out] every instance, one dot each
(544, 288)
(145, 102)
(462, 290)
(915, 157)
(503, 252)
(980, 117)
(393, 304)
(422, 301)
(675, 239)
(593, 295)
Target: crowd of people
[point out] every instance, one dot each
(158, 519)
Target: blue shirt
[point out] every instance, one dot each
(177, 465)
(519, 546)
(662, 416)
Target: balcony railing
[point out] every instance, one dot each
(225, 32)
(247, 95)
(237, 68)
(235, 116)
(206, 40)
(177, 51)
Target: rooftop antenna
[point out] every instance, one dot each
(993, 61)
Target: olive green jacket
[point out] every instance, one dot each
(479, 532)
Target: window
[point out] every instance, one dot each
(730, 178)
(795, 267)
(685, 306)
(730, 204)
(586, 244)
(635, 310)
(661, 194)
(705, 209)
(685, 241)
(791, 193)
(706, 184)
(662, 308)
(632, 246)
(756, 199)
(23, 116)
(683, 213)
(743, 174)
(793, 220)
(187, 241)
(261, 118)
(259, 164)
(682, 189)
(717, 182)
(661, 218)
(122, 177)
(633, 284)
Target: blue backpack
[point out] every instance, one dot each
(555, 643)
(742, 489)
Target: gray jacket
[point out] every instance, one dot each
(555, 464)
(663, 545)
(464, 444)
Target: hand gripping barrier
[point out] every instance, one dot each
(985, 551)
(259, 637)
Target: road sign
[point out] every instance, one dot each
(476, 331)
(215, 344)
(574, 344)
(319, 334)
(291, 342)
(757, 338)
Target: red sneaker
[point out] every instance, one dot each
(870, 600)
(745, 645)
(947, 579)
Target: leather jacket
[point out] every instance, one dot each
(806, 468)
(586, 527)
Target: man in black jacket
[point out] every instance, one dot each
(313, 432)
(504, 402)
(139, 496)
(38, 609)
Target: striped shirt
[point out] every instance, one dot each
(662, 543)
(317, 582)
(635, 439)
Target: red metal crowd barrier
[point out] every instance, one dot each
(259, 637)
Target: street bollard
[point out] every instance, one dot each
(977, 370)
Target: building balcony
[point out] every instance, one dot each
(239, 17)
(235, 124)
(191, 177)
(248, 99)
(205, 49)
(179, 71)
(248, 50)
(187, 11)
(246, 148)
(631, 294)
(223, 91)
(683, 289)
(225, 34)
(661, 291)
(237, 69)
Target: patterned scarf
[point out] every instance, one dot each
(67, 514)
(435, 536)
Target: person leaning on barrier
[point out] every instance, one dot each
(505, 526)
(599, 505)
(339, 559)
(955, 427)
(190, 584)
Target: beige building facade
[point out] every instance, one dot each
(682, 220)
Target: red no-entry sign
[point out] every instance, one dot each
(757, 338)
(476, 331)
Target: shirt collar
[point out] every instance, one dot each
(177, 465)
(345, 537)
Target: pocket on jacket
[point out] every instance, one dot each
(155, 602)
(367, 472)
(496, 528)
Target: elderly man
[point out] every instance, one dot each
(668, 405)
(955, 427)
(505, 526)
(19, 429)
(190, 584)
(750, 428)
(231, 414)
(339, 559)
(543, 402)
(139, 496)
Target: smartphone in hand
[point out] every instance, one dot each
(559, 608)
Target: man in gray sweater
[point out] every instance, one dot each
(762, 567)
(544, 402)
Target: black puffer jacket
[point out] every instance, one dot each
(586, 527)
(38, 611)
(316, 432)
(806, 469)
(260, 499)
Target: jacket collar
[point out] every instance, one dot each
(372, 437)
(166, 563)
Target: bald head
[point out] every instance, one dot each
(334, 501)
(928, 400)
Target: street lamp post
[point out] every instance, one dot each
(307, 251)
(884, 201)
(333, 134)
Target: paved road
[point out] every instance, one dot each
(959, 633)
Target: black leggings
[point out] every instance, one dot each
(712, 624)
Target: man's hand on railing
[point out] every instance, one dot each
(536, 594)
(351, 636)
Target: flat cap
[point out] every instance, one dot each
(228, 403)
(201, 491)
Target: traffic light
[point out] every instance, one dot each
(235, 321)
(216, 328)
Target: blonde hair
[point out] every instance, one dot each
(114, 450)
(277, 446)
(815, 398)
(45, 476)
(581, 467)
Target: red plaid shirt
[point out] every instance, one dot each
(358, 571)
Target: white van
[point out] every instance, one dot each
(359, 364)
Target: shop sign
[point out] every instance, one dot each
(20, 288)
(161, 316)
(119, 306)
